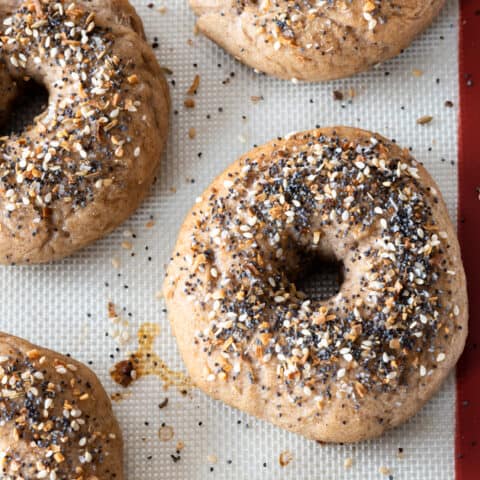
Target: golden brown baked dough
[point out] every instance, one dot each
(88, 162)
(56, 421)
(313, 40)
(342, 369)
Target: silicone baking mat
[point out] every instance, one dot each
(65, 305)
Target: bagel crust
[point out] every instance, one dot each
(342, 369)
(87, 162)
(314, 40)
(56, 420)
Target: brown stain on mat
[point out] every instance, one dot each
(145, 361)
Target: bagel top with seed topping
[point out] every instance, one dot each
(313, 40)
(56, 420)
(84, 164)
(340, 369)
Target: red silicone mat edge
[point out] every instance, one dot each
(467, 441)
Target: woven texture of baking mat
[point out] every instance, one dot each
(64, 305)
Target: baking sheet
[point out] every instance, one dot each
(64, 305)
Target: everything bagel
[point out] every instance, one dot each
(86, 163)
(56, 420)
(342, 369)
(314, 40)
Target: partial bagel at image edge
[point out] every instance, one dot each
(313, 41)
(56, 420)
(88, 161)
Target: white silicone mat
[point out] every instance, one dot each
(64, 306)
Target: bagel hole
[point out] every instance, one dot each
(320, 278)
(31, 102)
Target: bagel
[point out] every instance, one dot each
(56, 421)
(313, 40)
(341, 369)
(85, 164)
